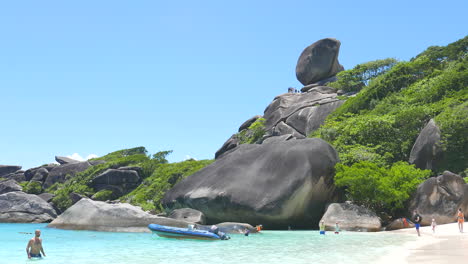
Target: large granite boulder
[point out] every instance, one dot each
(40, 175)
(351, 217)
(189, 215)
(275, 184)
(20, 207)
(439, 198)
(427, 148)
(300, 114)
(120, 181)
(9, 186)
(7, 169)
(65, 160)
(319, 61)
(30, 173)
(100, 216)
(16, 176)
(62, 172)
(228, 146)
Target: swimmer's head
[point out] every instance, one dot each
(38, 233)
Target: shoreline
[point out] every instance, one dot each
(446, 245)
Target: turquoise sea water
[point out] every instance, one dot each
(269, 247)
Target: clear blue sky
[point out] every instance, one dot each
(92, 77)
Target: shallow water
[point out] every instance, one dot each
(269, 247)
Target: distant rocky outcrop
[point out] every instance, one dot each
(9, 186)
(60, 173)
(351, 217)
(8, 169)
(100, 216)
(189, 215)
(440, 197)
(119, 181)
(17, 176)
(276, 184)
(427, 148)
(20, 207)
(319, 61)
(65, 160)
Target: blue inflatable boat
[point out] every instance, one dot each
(185, 233)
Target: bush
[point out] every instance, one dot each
(384, 189)
(33, 187)
(104, 195)
(254, 133)
(150, 192)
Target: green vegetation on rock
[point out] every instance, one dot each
(254, 133)
(32, 187)
(155, 173)
(150, 192)
(381, 123)
(384, 189)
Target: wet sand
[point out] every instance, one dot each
(446, 245)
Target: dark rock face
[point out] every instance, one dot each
(118, 180)
(17, 176)
(75, 197)
(29, 174)
(300, 114)
(351, 217)
(399, 224)
(319, 61)
(440, 197)
(249, 122)
(9, 186)
(7, 169)
(19, 207)
(426, 150)
(40, 175)
(65, 160)
(59, 174)
(229, 145)
(100, 216)
(189, 215)
(319, 83)
(276, 184)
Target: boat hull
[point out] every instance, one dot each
(182, 233)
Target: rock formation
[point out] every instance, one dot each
(119, 181)
(189, 215)
(426, 150)
(440, 197)
(19, 207)
(100, 216)
(60, 173)
(276, 184)
(319, 61)
(65, 160)
(351, 217)
(9, 186)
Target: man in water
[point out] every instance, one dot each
(34, 247)
(417, 221)
(322, 227)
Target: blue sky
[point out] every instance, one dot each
(92, 77)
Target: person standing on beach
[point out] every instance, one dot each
(417, 221)
(322, 227)
(461, 219)
(433, 224)
(337, 228)
(34, 247)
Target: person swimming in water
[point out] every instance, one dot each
(34, 247)
(322, 227)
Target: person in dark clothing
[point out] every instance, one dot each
(417, 221)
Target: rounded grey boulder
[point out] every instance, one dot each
(440, 197)
(351, 217)
(189, 215)
(20, 207)
(275, 184)
(319, 61)
(7, 169)
(427, 148)
(9, 186)
(100, 216)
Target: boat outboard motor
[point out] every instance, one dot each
(214, 229)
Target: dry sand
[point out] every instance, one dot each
(446, 245)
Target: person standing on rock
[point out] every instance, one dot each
(417, 221)
(461, 219)
(34, 247)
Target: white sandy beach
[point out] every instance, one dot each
(446, 245)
